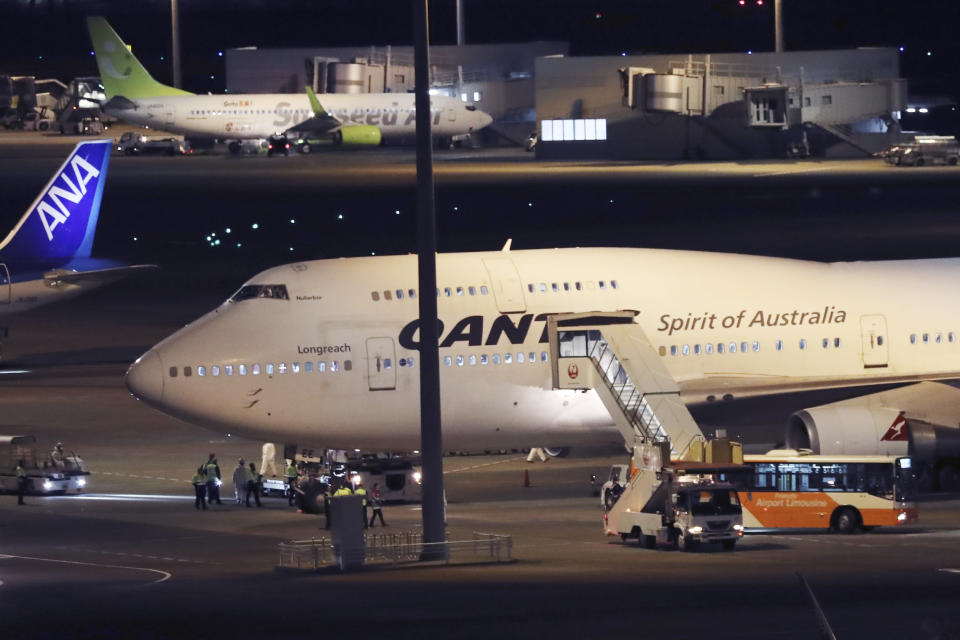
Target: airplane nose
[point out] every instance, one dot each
(145, 377)
(485, 119)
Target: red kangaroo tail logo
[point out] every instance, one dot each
(897, 431)
(573, 371)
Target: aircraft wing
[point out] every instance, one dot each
(697, 391)
(322, 120)
(95, 277)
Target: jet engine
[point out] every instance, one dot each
(361, 135)
(848, 428)
(861, 427)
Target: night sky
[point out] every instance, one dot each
(55, 30)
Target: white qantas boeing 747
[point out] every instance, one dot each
(350, 119)
(326, 352)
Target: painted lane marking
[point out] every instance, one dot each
(788, 172)
(949, 570)
(480, 466)
(165, 574)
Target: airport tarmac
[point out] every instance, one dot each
(132, 558)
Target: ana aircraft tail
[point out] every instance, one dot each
(121, 72)
(62, 220)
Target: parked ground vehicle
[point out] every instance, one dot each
(278, 145)
(90, 125)
(45, 475)
(532, 140)
(133, 143)
(924, 150)
(793, 489)
(678, 503)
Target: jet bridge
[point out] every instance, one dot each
(609, 352)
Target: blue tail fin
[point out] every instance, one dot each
(62, 220)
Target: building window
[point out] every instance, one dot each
(827, 100)
(568, 130)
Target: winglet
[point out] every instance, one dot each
(315, 105)
(62, 221)
(506, 246)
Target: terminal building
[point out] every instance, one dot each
(663, 107)
(720, 106)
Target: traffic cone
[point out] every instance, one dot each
(526, 478)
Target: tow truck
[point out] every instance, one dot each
(675, 503)
(44, 476)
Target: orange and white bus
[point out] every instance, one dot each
(790, 489)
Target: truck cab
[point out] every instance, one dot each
(707, 513)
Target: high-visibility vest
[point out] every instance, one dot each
(363, 493)
(211, 470)
(291, 471)
(21, 472)
(199, 479)
(342, 491)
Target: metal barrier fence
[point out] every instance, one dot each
(399, 548)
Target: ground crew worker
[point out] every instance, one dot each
(240, 481)
(21, 482)
(212, 470)
(199, 481)
(58, 457)
(268, 460)
(253, 484)
(291, 475)
(377, 504)
(365, 502)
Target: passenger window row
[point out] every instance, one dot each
(321, 366)
(936, 338)
(556, 287)
(743, 347)
(448, 292)
(496, 358)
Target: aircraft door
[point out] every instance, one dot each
(4, 284)
(451, 114)
(381, 364)
(164, 114)
(506, 284)
(873, 332)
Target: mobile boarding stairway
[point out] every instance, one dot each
(609, 353)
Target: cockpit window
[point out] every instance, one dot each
(275, 291)
(471, 107)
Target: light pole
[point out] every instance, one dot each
(175, 37)
(431, 445)
(777, 27)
